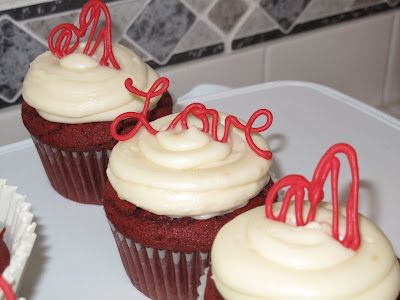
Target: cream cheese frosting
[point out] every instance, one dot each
(77, 89)
(257, 258)
(185, 172)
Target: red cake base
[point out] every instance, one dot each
(165, 257)
(75, 156)
(4, 254)
(211, 292)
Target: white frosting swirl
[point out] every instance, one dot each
(257, 258)
(185, 172)
(77, 89)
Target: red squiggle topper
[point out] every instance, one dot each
(296, 184)
(4, 285)
(196, 109)
(88, 19)
(7, 289)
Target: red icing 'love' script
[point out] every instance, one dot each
(197, 110)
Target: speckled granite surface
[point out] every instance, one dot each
(167, 32)
(160, 27)
(17, 49)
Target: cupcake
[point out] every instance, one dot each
(72, 93)
(173, 183)
(16, 239)
(298, 249)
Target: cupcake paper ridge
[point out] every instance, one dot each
(20, 231)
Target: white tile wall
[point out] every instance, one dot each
(392, 86)
(239, 69)
(351, 57)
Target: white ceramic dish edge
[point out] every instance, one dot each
(339, 96)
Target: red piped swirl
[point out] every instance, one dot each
(7, 289)
(159, 87)
(297, 184)
(68, 35)
(199, 111)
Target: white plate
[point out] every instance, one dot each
(75, 256)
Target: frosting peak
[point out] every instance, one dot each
(309, 247)
(78, 61)
(184, 140)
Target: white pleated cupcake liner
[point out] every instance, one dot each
(201, 289)
(161, 274)
(16, 217)
(76, 175)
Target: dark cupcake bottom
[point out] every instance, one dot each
(211, 292)
(165, 257)
(75, 156)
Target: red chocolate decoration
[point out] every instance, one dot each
(297, 184)
(88, 19)
(7, 289)
(159, 87)
(4, 285)
(196, 109)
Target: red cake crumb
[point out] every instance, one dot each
(162, 232)
(4, 253)
(81, 137)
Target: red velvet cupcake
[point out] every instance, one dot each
(298, 249)
(72, 93)
(173, 183)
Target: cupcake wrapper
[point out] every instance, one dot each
(161, 274)
(20, 234)
(76, 175)
(202, 285)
